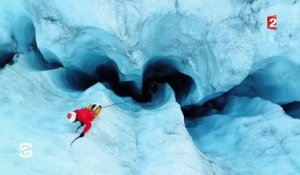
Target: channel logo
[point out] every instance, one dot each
(25, 150)
(272, 22)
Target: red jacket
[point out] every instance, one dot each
(85, 116)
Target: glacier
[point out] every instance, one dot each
(212, 91)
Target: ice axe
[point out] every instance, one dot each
(74, 140)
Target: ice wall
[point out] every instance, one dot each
(130, 34)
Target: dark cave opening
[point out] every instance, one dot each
(292, 109)
(108, 75)
(6, 58)
(78, 80)
(210, 107)
(155, 76)
(164, 71)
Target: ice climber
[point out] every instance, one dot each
(85, 116)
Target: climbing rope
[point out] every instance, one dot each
(116, 104)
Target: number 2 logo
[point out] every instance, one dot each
(272, 22)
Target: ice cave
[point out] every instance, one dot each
(200, 87)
